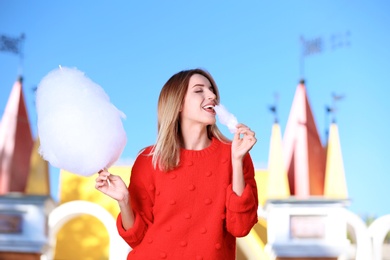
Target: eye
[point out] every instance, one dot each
(198, 91)
(212, 89)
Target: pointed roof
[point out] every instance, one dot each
(335, 183)
(15, 143)
(277, 187)
(303, 151)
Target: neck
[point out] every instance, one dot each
(195, 139)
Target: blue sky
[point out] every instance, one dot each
(253, 50)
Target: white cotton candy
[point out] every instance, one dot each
(79, 129)
(226, 118)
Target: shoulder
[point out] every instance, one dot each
(146, 150)
(142, 170)
(144, 157)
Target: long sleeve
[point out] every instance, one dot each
(241, 211)
(141, 190)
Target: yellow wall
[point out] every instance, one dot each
(85, 237)
(261, 177)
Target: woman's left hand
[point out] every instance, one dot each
(243, 141)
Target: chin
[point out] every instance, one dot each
(211, 122)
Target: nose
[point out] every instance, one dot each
(211, 95)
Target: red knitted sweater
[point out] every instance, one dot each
(190, 212)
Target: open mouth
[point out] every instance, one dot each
(209, 108)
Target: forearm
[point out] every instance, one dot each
(127, 213)
(238, 181)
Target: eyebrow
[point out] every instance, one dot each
(200, 85)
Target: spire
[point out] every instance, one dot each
(15, 143)
(335, 183)
(277, 187)
(304, 153)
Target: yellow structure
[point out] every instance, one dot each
(85, 237)
(38, 178)
(335, 183)
(277, 185)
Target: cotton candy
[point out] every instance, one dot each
(226, 118)
(79, 129)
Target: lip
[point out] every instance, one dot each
(209, 108)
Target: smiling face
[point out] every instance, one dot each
(199, 102)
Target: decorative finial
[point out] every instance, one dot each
(333, 109)
(20, 79)
(274, 108)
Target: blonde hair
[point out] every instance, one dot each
(166, 151)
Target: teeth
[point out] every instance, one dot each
(209, 106)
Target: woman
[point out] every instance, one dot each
(193, 192)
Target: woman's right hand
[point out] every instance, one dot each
(113, 186)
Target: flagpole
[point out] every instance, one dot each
(21, 54)
(302, 66)
(302, 57)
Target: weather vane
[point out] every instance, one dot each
(309, 47)
(331, 110)
(13, 45)
(318, 45)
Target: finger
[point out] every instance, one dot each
(113, 177)
(250, 133)
(242, 125)
(101, 180)
(104, 173)
(110, 178)
(252, 139)
(237, 134)
(99, 185)
(247, 133)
